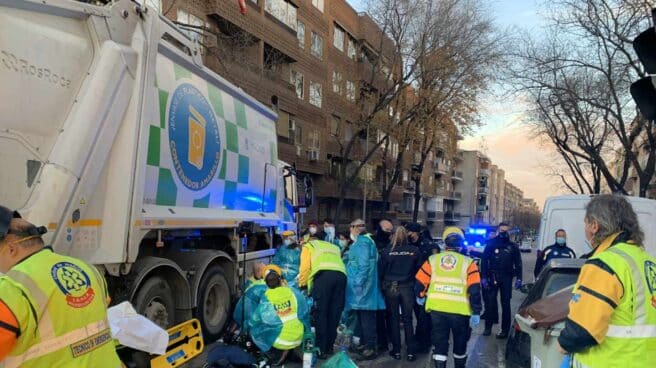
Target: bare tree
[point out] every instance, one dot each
(578, 79)
(443, 55)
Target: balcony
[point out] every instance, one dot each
(481, 208)
(434, 215)
(453, 196)
(440, 167)
(451, 216)
(483, 191)
(484, 173)
(456, 175)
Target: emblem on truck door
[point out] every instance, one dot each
(193, 137)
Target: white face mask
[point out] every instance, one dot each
(343, 243)
(313, 230)
(353, 237)
(287, 241)
(330, 231)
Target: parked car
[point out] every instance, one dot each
(526, 245)
(556, 275)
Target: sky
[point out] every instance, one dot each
(503, 136)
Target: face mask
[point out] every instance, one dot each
(287, 242)
(353, 237)
(330, 231)
(588, 245)
(343, 243)
(560, 241)
(503, 235)
(313, 230)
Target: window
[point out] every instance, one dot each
(192, 20)
(283, 126)
(348, 131)
(394, 149)
(338, 38)
(406, 176)
(296, 79)
(430, 180)
(334, 126)
(315, 94)
(350, 91)
(152, 4)
(314, 139)
(282, 10)
(318, 4)
(300, 34)
(337, 82)
(295, 132)
(351, 48)
(317, 45)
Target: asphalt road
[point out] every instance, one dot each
(483, 351)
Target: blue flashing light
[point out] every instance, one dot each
(478, 244)
(471, 231)
(466, 242)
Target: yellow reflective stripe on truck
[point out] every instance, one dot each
(79, 223)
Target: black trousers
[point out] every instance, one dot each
(328, 292)
(367, 321)
(402, 297)
(445, 324)
(423, 329)
(382, 330)
(503, 286)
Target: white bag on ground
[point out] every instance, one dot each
(136, 331)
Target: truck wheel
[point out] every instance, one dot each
(155, 301)
(213, 303)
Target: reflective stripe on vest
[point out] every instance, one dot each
(632, 327)
(54, 344)
(69, 324)
(288, 318)
(632, 332)
(287, 344)
(447, 291)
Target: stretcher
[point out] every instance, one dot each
(185, 343)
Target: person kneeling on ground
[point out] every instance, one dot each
(279, 321)
(250, 299)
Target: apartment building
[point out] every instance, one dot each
(513, 198)
(496, 198)
(309, 60)
(529, 205)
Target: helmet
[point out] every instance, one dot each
(288, 233)
(272, 268)
(450, 231)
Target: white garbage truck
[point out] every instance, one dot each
(137, 157)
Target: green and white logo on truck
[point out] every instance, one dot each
(211, 147)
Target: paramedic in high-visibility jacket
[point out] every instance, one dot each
(278, 323)
(448, 283)
(53, 308)
(612, 314)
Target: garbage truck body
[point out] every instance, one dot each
(138, 159)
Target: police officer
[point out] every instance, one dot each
(612, 314)
(279, 322)
(449, 285)
(500, 263)
(426, 248)
(53, 308)
(558, 250)
(324, 274)
(397, 266)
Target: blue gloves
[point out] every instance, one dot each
(474, 320)
(567, 361)
(518, 284)
(420, 301)
(484, 283)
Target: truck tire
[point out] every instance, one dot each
(155, 301)
(213, 304)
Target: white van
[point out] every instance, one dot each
(567, 212)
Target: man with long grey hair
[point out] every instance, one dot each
(612, 314)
